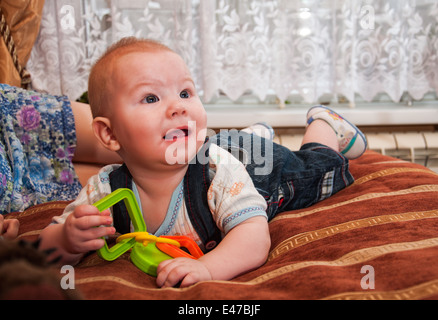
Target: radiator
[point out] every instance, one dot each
(417, 147)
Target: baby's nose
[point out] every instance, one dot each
(176, 109)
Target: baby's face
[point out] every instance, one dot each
(157, 116)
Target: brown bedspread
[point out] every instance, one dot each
(381, 231)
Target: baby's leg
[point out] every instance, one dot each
(321, 132)
(325, 126)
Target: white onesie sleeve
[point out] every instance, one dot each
(232, 197)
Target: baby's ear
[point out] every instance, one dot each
(103, 132)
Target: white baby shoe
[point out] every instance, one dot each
(261, 129)
(352, 142)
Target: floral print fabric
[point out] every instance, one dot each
(37, 144)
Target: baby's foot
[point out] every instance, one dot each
(261, 129)
(352, 142)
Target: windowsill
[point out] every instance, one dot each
(375, 114)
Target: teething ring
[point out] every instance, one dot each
(146, 238)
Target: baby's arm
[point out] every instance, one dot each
(244, 248)
(78, 235)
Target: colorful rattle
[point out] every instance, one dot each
(148, 251)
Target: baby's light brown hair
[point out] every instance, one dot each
(100, 80)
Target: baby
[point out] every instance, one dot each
(146, 108)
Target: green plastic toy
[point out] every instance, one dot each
(145, 253)
(146, 258)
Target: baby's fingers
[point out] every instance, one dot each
(181, 270)
(89, 222)
(89, 217)
(91, 239)
(169, 273)
(9, 228)
(85, 210)
(12, 227)
(97, 242)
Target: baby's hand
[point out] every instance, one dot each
(9, 228)
(80, 233)
(184, 270)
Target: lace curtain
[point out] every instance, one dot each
(235, 47)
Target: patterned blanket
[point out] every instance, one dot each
(377, 239)
(37, 143)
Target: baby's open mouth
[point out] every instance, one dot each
(176, 134)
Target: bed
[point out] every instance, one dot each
(377, 239)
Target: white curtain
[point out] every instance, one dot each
(234, 47)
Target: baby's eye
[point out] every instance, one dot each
(184, 94)
(150, 99)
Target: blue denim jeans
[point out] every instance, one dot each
(288, 180)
